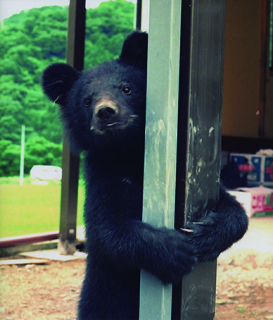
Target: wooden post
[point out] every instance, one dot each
(199, 142)
(70, 163)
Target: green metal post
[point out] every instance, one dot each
(161, 141)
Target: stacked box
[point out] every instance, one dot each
(268, 171)
(249, 164)
(259, 168)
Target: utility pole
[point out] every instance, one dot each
(23, 130)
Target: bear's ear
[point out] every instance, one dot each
(57, 80)
(134, 50)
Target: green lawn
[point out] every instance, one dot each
(31, 208)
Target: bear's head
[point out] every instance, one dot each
(104, 105)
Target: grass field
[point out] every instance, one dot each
(31, 208)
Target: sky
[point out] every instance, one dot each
(10, 7)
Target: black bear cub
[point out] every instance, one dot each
(103, 111)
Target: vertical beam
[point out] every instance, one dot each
(161, 141)
(199, 142)
(138, 14)
(144, 11)
(264, 65)
(70, 163)
(76, 34)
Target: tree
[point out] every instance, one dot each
(30, 41)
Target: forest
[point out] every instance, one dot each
(30, 41)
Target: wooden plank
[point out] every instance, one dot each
(23, 262)
(54, 255)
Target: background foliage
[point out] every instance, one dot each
(30, 41)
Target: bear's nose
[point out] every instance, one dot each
(106, 111)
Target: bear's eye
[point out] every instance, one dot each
(87, 102)
(126, 90)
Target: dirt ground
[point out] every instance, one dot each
(51, 291)
(245, 275)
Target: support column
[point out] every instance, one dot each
(70, 162)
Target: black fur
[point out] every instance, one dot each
(103, 110)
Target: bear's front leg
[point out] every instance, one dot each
(217, 230)
(163, 252)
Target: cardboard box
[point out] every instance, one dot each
(249, 164)
(257, 202)
(268, 171)
(259, 168)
